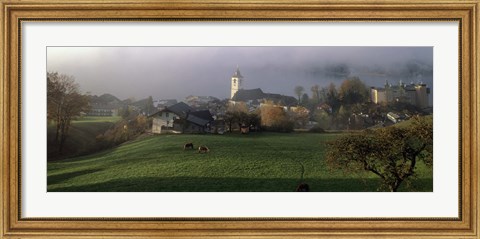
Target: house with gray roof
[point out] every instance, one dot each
(181, 118)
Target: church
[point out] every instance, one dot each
(254, 97)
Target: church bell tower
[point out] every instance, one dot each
(237, 80)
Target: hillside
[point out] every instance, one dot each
(268, 162)
(82, 136)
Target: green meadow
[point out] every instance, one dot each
(257, 162)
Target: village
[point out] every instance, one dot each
(329, 108)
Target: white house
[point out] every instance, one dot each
(163, 119)
(180, 118)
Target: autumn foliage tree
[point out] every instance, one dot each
(299, 115)
(391, 153)
(274, 118)
(64, 103)
(353, 91)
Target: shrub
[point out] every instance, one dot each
(122, 131)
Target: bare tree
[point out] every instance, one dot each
(149, 107)
(299, 91)
(236, 113)
(315, 93)
(64, 103)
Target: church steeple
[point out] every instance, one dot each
(237, 73)
(236, 82)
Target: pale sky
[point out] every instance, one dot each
(176, 72)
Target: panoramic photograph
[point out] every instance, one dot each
(240, 119)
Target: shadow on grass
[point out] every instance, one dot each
(196, 184)
(59, 178)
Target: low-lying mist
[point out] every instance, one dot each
(176, 72)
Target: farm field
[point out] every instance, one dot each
(258, 162)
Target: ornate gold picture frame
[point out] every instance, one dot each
(16, 12)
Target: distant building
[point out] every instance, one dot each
(163, 119)
(181, 118)
(199, 101)
(255, 97)
(236, 83)
(104, 105)
(378, 95)
(248, 95)
(164, 103)
(195, 122)
(98, 109)
(422, 93)
(415, 94)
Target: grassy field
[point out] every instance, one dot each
(267, 162)
(82, 136)
(97, 119)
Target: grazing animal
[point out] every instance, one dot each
(203, 149)
(303, 187)
(188, 146)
